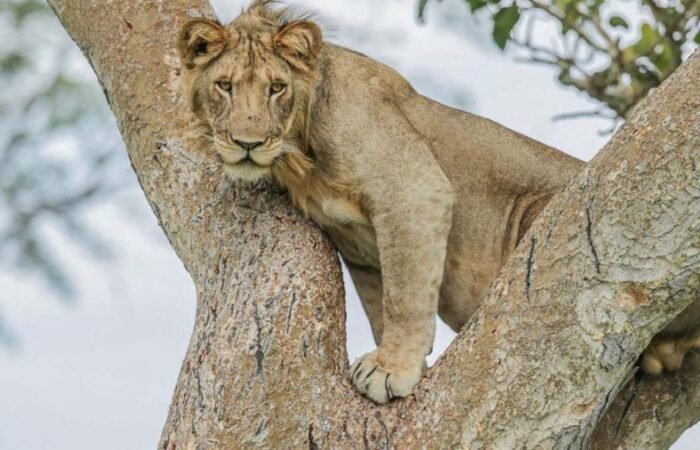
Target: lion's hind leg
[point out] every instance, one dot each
(667, 354)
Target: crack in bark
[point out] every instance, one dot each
(260, 429)
(221, 269)
(346, 433)
(312, 443)
(628, 403)
(259, 353)
(528, 273)
(127, 23)
(569, 439)
(589, 235)
(284, 264)
(589, 224)
(372, 436)
(578, 436)
(305, 347)
(378, 416)
(610, 398)
(291, 308)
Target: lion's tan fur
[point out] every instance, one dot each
(424, 203)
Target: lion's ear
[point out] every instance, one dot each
(299, 43)
(201, 41)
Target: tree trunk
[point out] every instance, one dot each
(608, 264)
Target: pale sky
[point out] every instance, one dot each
(100, 374)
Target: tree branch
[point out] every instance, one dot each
(547, 370)
(266, 365)
(561, 17)
(652, 412)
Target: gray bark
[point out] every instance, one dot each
(651, 412)
(610, 262)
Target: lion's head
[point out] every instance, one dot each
(250, 84)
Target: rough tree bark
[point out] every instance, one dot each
(612, 259)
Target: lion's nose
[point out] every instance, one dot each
(249, 146)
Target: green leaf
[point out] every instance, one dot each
(697, 37)
(25, 9)
(421, 8)
(593, 7)
(13, 62)
(563, 4)
(617, 21)
(663, 58)
(573, 18)
(476, 5)
(650, 37)
(503, 23)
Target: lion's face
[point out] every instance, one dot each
(250, 81)
(248, 109)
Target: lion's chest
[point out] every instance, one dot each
(348, 228)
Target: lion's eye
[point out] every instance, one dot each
(277, 88)
(224, 85)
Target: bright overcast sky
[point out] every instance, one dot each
(100, 374)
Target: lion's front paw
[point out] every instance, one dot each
(381, 380)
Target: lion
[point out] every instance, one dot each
(424, 202)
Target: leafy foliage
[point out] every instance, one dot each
(54, 144)
(503, 22)
(596, 49)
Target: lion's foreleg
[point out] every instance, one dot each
(410, 208)
(368, 282)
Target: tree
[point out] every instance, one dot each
(595, 49)
(611, 260)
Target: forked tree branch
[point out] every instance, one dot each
(651, 413)
(611, 260)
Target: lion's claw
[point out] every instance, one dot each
(382, 384)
